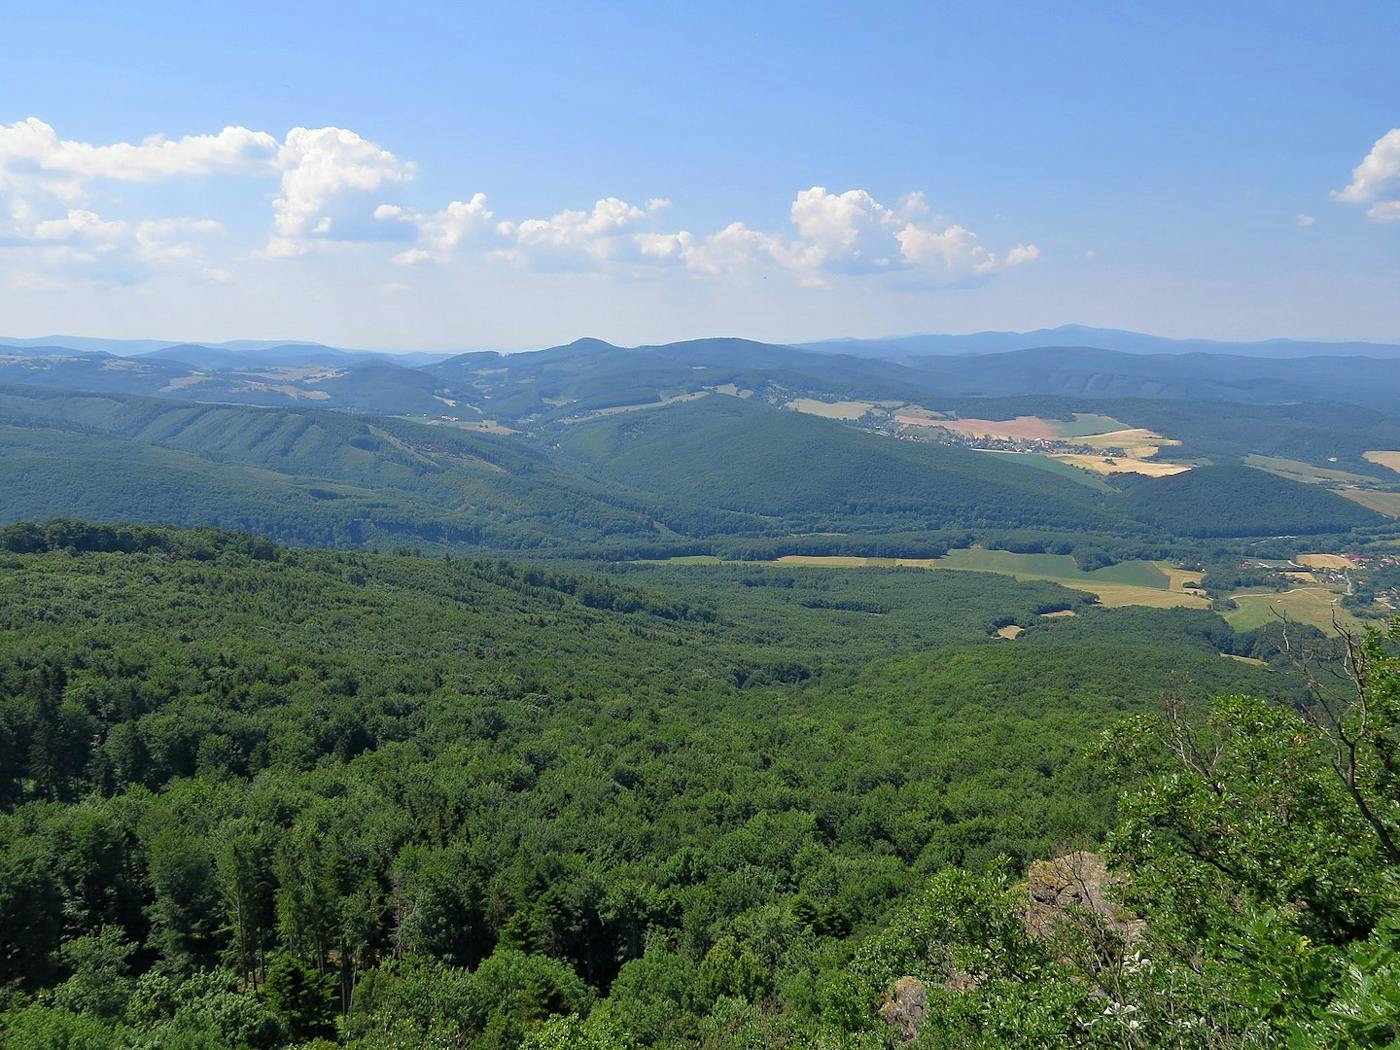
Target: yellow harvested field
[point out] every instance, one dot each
(1129, 439)
(1245, 659)
(1011, 631)
(842, 561)
(1177, 578)
(916, 413)
(1387, 503)
(1113, 465)
(1323, 561)
(1308, 473)
(831, 409)
(1110, 594)
(731, 390)
(1059, 614)
(1390, 460)
(1022, 427)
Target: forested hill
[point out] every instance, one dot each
(254, 796)
(728, 453)
(282, 761)
(587, 375)
(711, 468)
(1238, 501)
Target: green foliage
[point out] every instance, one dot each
(1241, 501)
(387, 800)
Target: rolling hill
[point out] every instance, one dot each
(318, 477)
(812, 475)
(1240, 501)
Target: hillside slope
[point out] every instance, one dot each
(815, 475)
(313, 476)
(1240, 501)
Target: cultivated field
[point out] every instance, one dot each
(1390, 460)
(1138, 444)
(1127, 583)
(1387, 503)
(1308, 473)
(1313, 605)
(1323, 561)
(848, 410)
(1123, 465)
(614, 410)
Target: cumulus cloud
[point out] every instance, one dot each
(850, 233)
(319, 166)
(832, 235)
(333, 185)
(34, 145)
(574, 239)
(1385, 211)
(84, 242)
(1376, 180)
(442, 233)
(321, 172)
(1305, 220)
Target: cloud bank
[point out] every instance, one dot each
(61, 212)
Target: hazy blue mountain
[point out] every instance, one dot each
(88, 343)
(1102, 338)
(1093, 372)
(280, 355)
(237, 353)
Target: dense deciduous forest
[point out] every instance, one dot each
(255, 796)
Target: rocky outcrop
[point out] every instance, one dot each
(1077, 887)
(907, 1006)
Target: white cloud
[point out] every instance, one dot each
(1376, 172)
(579, 236)
(1376, 180)
(332, 185)
(32, 144)
(80, 225)
(1384, 211)
(1305, 220)
(318, 167)
(1022, 254)
(176, 243)
(853, 233)
(82, 239)
(954, 251)
(441, 233)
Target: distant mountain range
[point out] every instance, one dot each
(236, 353)
(896, 347)
(530, 389)
(287, 353)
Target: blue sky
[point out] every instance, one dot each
(777, 170)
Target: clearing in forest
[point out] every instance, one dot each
(1123, 465)
(1323, 561)
(1312, 605)
(1126, 583)
(1387, 503)
(848, 410)
(1390, 460)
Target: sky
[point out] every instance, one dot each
(457, 175)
